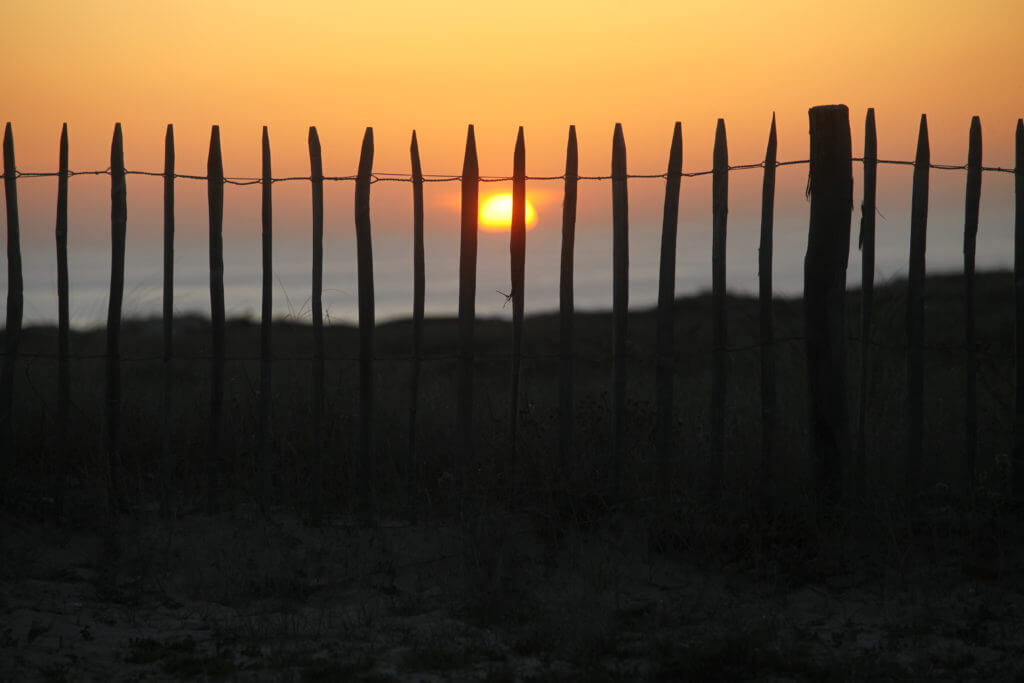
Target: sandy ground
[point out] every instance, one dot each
(245, 596)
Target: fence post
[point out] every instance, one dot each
(828, 245)
(118, 229)
(467, 309)
(316, 175)
(767, 312)
(63, 328)
(418, 297)
(620, 302)
(720, 214)
(215, 197)
(972, 204)
(517, 252)
(1018, 279)
(566, 418)
(665, 363)
(867, 280)
(166, 454)
(915, 313)
(266, 321)
(364, 258)
(15, 299)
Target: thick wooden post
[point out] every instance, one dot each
(915, 312)
(665, 342)
(867, 284)
(767, 312)
(828, 246)
(971, 208)
(467, 307)
(517, 252)
(316, 174)
(419, 282)
(719, 219)
(620, 302)
(215, 197)
(166, 454)
(266, 320)
(364, 259)
(63, 327)
(118, 230)
(15, 300)
(1018, 280)
(566, 400)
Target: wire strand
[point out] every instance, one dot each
(395, 177)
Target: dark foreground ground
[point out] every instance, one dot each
(548, 577)
(244, 596)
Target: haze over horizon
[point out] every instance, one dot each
(435, 67)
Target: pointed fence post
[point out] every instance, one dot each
(867, 284)
(266, 321)
(15, 302)
(620, 303)
(517, 252)
(316, 176)
(566, 401)
(767, 311)
(118, 230)
(719, 219)
(915, 313)
(419, 282)
(665, 342)
(972, 205)
(63, 328)
(364, 259)
(166, 454)
(467, 310)
(1018, 289)
(828, 246)
(215, 200)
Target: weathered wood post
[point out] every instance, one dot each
(467, 311)
(828, 246)
(972, 205)
(767, 311)
(566, 400)
(719, 219)
(1018, 281)
(316, 176)
(517, 253)
(264, 466)
(367, 323)
(419, 281)
(15, 300)
(63, 462)
(620, 303)
(166, 454)
(215, 200)
(915, 312)
(665, 341)
(118, 234)
(867, 284)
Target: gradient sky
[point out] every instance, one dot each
(437, 66)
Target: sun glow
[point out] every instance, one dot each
(496, 213)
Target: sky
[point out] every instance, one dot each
(437, 66)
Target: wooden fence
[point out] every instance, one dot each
(838, 451)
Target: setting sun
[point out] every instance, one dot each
(496, 213)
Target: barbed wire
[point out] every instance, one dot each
(387, 176)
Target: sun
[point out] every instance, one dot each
(496, 213)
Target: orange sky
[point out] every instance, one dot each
(436, 66)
